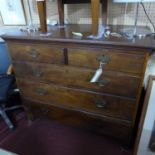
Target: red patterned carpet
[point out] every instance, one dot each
(48, 137)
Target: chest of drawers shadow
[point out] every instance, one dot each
(54, 79)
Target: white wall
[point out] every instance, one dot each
(118, 13)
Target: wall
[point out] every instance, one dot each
(80, 13)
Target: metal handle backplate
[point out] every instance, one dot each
(100, 103)
(103, 82)
(41, 91)
(104, 59)
(44, 110)
(37, 72)
(34, 53)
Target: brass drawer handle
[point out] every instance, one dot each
(41, 91)
(104, 82)
(37, 72)
(100, 103)
(34, 53)
(44, 111)
(104, 59)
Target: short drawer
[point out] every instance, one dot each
(80, 100)
(110, 82)
(36, 53)
(114, 59)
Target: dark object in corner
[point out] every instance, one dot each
(152, 140)
(7, 83)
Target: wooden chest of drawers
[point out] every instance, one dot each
(54, 76)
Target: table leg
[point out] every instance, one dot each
(42, 15)
(104, 12)
(61, 12)
(95, 16)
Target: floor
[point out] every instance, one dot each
(48, 137)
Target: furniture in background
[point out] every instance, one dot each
(54, 73)
(42, 15)
(94, 9)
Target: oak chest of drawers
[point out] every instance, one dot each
(54, 73)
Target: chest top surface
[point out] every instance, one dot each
(65, 35)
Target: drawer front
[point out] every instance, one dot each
(113, 59)
(36, 53)
(79, 100)
(110, 82)
(116, 129)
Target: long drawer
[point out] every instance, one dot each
(114, 59)
(36, 53)
(118, 129)
(78, 100)
(110, 82)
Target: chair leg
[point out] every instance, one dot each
(6, 118)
